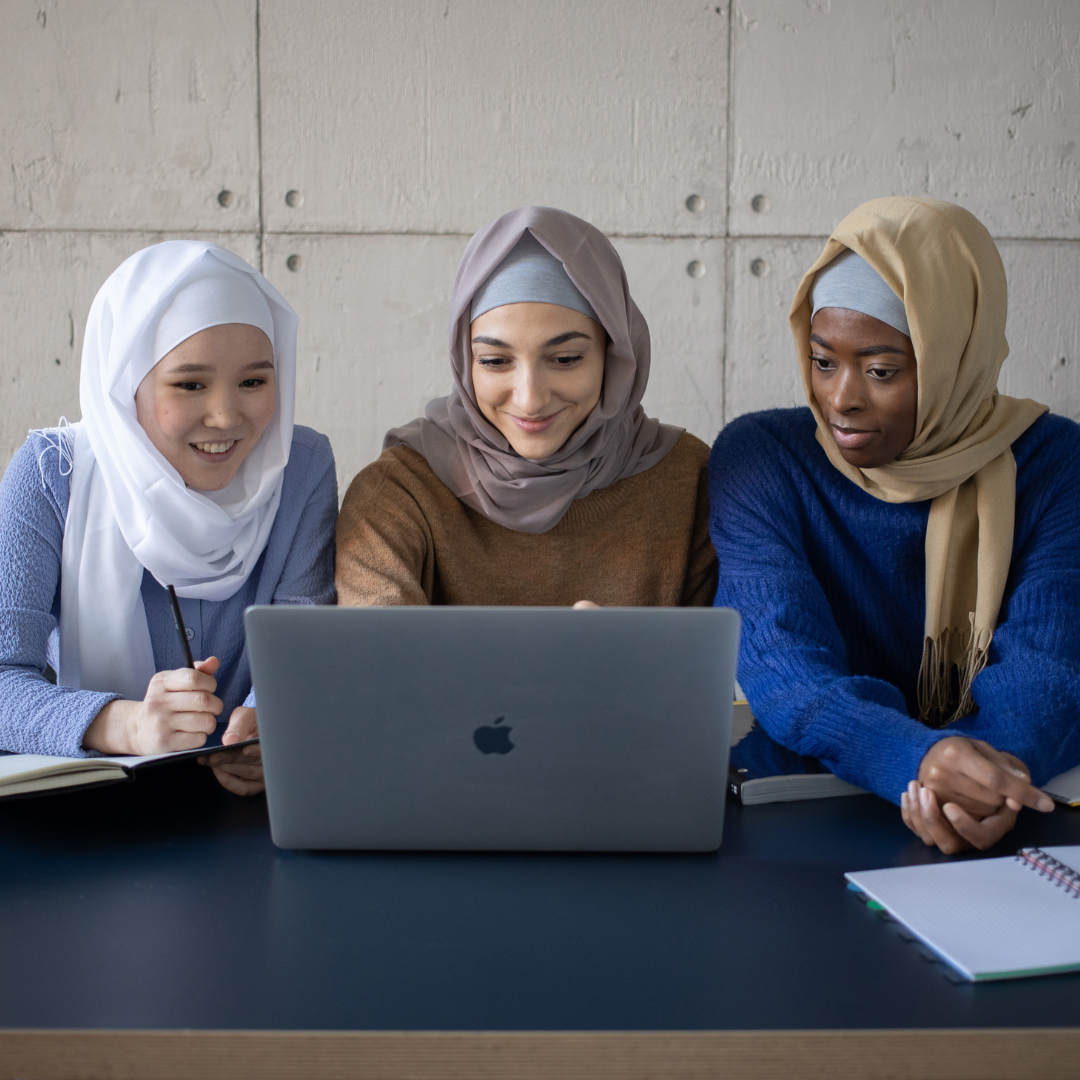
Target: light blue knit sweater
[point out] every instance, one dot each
(297, 567)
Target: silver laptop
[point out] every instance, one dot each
(482, 728)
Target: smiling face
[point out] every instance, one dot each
(865, 381)
(205, 404)
(537, 372)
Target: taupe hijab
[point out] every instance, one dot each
(473, 459)
(943, 264)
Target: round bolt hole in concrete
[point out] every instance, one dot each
(295, 263)
(759, 268)
(759, 204)
(695, 269)
(694, 203)
(226, 199)
(294, 198)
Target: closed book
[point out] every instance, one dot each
(791, 787)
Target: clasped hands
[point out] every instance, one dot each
(968, 795)
(179, 711)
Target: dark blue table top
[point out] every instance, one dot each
(163, 904)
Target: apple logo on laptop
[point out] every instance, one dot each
(491, 739)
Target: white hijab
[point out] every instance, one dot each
(129, 509)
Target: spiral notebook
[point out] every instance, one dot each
(988, 918)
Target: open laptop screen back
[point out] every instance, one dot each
(495, 728)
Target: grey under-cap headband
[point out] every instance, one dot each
(849, 281)
(220, 294)
(529, 274)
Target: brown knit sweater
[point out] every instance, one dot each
(404, 538)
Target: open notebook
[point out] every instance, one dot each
(989, 918)
(29, 774)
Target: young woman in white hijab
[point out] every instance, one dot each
(186, 469)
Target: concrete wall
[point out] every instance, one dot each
(726, 137)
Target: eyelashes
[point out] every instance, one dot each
(501, 361)
(878, 374)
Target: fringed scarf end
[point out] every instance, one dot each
(943, 697)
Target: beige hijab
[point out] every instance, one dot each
(940, 260)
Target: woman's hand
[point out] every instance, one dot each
(950, 828)
(968, 795)
(979, 779)
(239, 771)
(178, 712)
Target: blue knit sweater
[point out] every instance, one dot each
(297, 567)
(830, 585)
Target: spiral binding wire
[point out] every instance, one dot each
(1048, 867)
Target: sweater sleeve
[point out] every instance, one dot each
(383, 542)
(36, 717)
(792, 661)
(1029, 694)
(308, 574)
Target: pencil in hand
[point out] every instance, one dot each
(181, 629)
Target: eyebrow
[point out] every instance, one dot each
(562, 339)
(870, 350)
(193, 369)
(878, 350)
(559, 339)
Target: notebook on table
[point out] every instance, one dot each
(988, 918)
(36, 774)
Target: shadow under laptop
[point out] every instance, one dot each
(438, 941)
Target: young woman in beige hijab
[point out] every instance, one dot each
(906, 551)
(538, 480)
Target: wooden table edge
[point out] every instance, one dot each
(939, 1053)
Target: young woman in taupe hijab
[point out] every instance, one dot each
(538, 480)
(906, 551)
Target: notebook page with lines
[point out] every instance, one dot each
(989, 918)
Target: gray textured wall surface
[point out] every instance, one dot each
(727, 136)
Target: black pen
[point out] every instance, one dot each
(180, 628)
